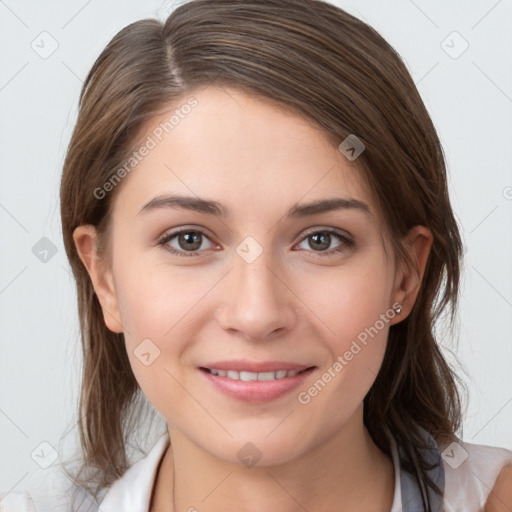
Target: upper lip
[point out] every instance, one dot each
(254, 366)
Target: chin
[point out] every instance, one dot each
(258, 451)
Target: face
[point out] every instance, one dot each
(254, 282)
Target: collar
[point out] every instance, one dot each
(133, 490)
(409, 490)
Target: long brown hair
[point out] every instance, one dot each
(338, 72)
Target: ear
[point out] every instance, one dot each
(408, 278)
(85, 238)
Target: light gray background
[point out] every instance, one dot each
(469, 98)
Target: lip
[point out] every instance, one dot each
(241, 365)
(256, 390)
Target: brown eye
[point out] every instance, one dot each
(321, 240)
(188, 242)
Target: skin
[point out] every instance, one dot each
(500, 498)
(292, 304)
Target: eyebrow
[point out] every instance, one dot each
(210, 207)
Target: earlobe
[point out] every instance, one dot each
(418, 243)
(85, 238)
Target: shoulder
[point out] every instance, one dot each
(474, 474)
(51, 490)
(20, 501)
(48, 490)
(500, 498)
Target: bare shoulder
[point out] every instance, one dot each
(500, 498)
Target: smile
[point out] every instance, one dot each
(252, 386)
(250, 376)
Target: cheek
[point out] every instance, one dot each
(354, 309)
(159, 309)
(345, 305)
(351, 300)
(154, 299)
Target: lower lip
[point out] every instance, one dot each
(257, 390)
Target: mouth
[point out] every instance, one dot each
(248, 376)
(256, 386)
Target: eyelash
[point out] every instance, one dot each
(345, 246)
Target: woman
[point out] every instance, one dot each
(255, 208)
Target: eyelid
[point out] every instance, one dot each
(337, 231)
(169, 235)
(346, 239)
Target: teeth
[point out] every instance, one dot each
(265, 375)
(248, 376)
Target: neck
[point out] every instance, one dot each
(346, 472)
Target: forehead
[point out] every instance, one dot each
(241, 150)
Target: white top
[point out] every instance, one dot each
(470, 471)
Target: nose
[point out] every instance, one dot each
(256, 300)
